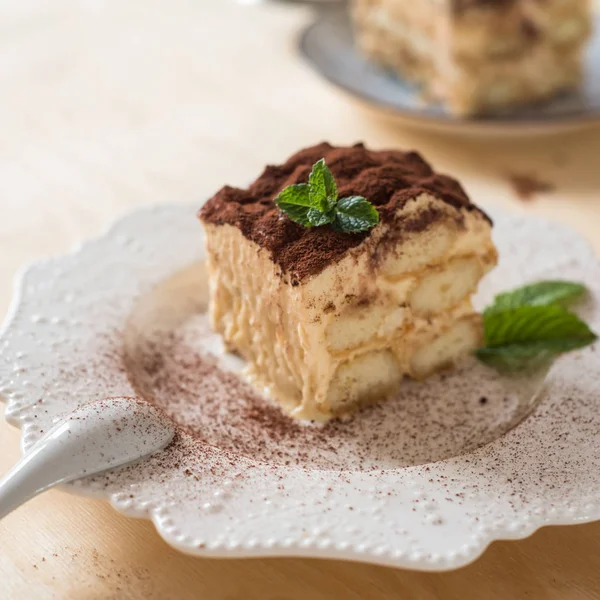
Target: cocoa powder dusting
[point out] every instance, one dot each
(389, 179)
(526, 187)
(216, 408)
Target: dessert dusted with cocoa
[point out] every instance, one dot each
(478, 56)
(389, 179)
(337, 278)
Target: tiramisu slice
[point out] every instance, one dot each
(478, 55)
(329, 318)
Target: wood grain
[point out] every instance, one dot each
(107, 106)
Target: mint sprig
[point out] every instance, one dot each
(316, 203)
(539, 294)
(528, 327)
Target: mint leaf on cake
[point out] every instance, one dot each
(322, 186)
(295, 202)
(316, 204)
(355, 214)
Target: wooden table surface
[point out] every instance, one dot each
(107, 106)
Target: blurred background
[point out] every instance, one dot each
(109, 105)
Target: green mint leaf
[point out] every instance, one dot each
(298, 214)
(323, 189)
(316, 204)
(294, 201)
(297, 194)
(529, 337)
(526, 324)
(538, 294)
(317, 218)
(517, 357)
(355, 214)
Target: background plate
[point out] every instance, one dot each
(328, 46)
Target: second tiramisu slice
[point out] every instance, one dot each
(478, 56)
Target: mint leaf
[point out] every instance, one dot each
(517, 357)
(537, 294)
(528, 337)
(294, 201)
(535, 324)
(297, 194)
(528, 355)
(298, 214)
(323, 189)
(317, 218)
(355, 214)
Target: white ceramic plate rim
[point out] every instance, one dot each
(358, 547)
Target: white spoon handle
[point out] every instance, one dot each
(96, 437)
(27, 478)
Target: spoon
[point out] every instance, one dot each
(101, 435)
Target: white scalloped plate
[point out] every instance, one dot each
(77, 331)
